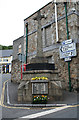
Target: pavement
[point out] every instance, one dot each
(11, 91)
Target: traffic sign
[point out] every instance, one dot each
(67, 49)
(68, 54)
(67, 42)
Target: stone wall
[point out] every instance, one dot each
(16, 64)
(52, 49)
(16, 71)
(16, 43)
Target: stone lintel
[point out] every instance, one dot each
(39, 81)
(41, 71)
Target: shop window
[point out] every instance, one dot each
(0, 59)
(5, 59)
(0, 68)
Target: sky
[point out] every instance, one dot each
(12, 15)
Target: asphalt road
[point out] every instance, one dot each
(0, 95)
(71, 112)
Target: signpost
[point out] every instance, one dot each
(67, 50)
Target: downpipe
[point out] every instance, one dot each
(56, 21)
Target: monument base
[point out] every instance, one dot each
(39, 60)
(29, 88)
(40, 66)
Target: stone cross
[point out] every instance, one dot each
(39, 35)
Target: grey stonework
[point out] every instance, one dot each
(52, 49)
(16, 71)
(16, 64)
(54, 85)
(16, 44)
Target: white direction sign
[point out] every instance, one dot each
(67, 54)
(67, 42)
(67, 49)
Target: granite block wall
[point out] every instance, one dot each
(53, 48)
(16, 71)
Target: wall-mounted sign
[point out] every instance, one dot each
(68, 47)
(67, 42)
(67, 50)
(39, 88)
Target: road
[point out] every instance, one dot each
(46, 113)
(0, 95)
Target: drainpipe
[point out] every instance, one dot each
(68, 38)
(56, 21)
(26, 41)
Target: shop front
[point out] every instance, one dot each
(6, 68)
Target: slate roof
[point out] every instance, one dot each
(6, 53)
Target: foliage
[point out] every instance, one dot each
(6, 47)
(40, 78)
(42, 99)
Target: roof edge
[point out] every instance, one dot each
(38, 10)
(18, 38)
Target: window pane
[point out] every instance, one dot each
(19, 48)
(48, 36)
(5, 59)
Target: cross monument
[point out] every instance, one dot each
(39, 56)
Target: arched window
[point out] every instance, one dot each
(19, 50)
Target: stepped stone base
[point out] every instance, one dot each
(39, 60)
(54, 85)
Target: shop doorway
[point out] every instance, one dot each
(7, 68)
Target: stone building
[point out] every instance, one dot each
(18, 58)
(50, 44)
(6, 61)
(18, 47)
(51, 48)
(66, 76)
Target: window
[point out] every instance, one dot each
(47, 36)
(0, 59)
(19, 50)
(5, 59)
(0, 68)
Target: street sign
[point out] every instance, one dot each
(68, 54)
(67, 42)
(67, 49)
